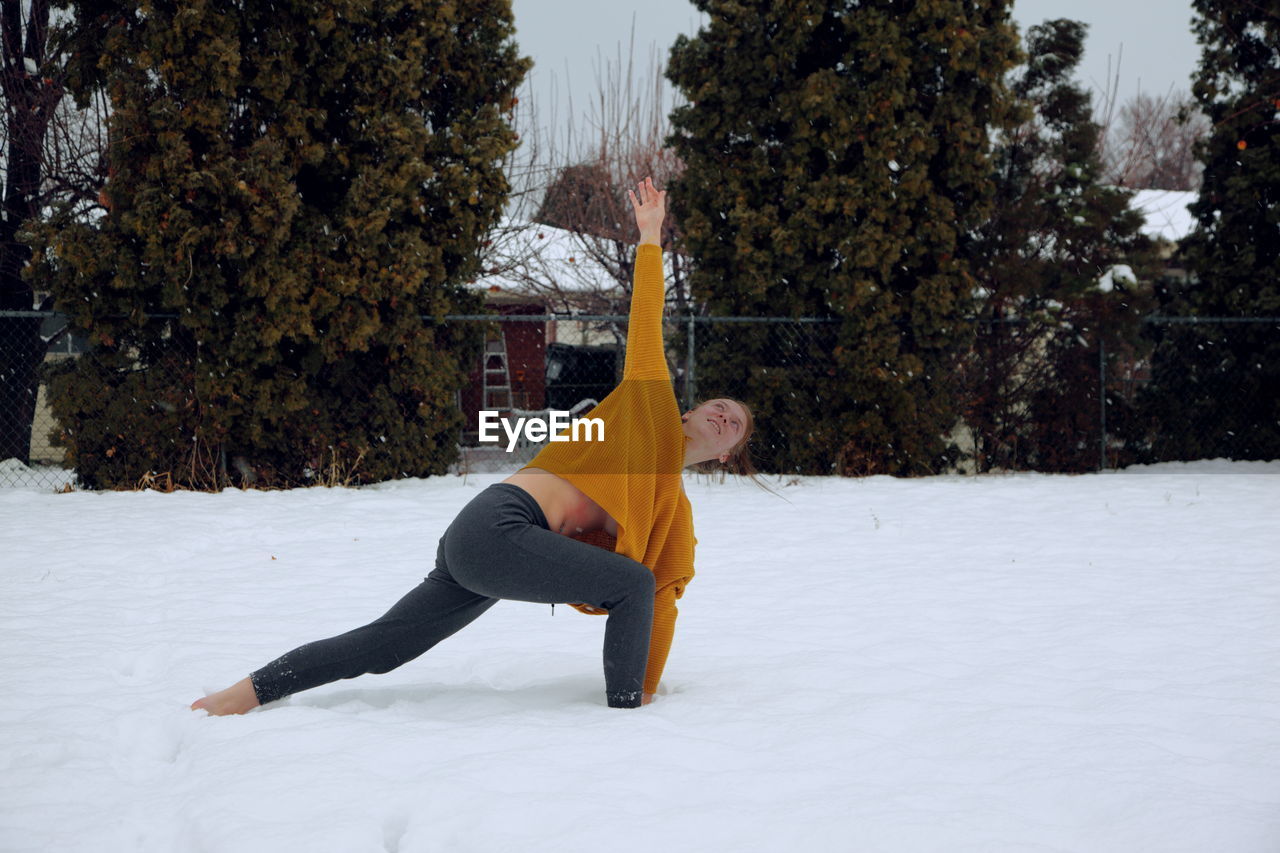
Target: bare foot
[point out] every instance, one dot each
(236, 699)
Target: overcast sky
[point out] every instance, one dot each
(568, 39)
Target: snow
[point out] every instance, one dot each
(535, 257)
(14, 470)
(997, 663)
(1166, 213)
(40, 477)
(1118, 274)
(544, 262)
(540, 260)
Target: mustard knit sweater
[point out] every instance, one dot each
(634, 474)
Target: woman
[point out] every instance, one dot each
(603, 524)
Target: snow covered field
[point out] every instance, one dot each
(1016, 663)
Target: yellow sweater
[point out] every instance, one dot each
(634, 474)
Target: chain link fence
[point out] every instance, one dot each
(1086, 415)
(30, 343)
(570, 362)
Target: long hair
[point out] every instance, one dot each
(739, 463)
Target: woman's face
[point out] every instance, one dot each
(715, 427)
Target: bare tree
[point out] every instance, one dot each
(570, 234)
(52, 153)
(1152, 145)
(1148, 142)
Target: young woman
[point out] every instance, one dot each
(603, 524)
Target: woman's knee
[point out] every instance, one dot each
(635, 581)
(647, 582)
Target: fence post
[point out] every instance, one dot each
(1102, 396)
(689, 381)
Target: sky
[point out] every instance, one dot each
(569, 40)
(999, 663)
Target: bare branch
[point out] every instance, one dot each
(569, 237)
(1149, 142)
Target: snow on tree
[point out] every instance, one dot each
(1216, 387)
(1046, 261)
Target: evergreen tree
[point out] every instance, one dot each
(837, 160)
(1216, 388)
(1055, 232)
(292, 186)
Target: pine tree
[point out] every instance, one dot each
(1055, 232)
(837, 160)
(293, 186)
(1215, 388)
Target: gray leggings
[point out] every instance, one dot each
(498, 547)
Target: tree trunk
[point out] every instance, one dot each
(31, 102)
(21, 347)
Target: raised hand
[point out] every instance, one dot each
(650, 206)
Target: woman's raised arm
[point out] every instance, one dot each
(645, 356)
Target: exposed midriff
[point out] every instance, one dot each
(567, 508)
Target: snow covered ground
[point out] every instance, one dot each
(1001, 663)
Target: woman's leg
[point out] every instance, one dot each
(501, 548)
(498, 547)
(435, 609)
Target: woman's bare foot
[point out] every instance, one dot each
(236, 699)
